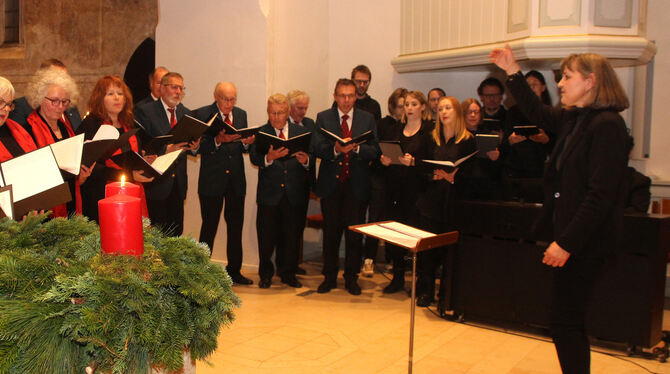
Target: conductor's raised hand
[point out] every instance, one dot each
(504, 59)
(274, 154)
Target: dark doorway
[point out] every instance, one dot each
(140, 65)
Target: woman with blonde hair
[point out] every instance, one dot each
(451, 141)
(584, 190)
(405, 183)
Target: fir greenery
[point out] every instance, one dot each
(65, 306)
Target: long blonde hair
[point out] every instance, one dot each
(460, 131)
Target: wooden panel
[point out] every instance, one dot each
(613, 13)
(560, 13)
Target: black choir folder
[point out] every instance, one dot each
(36, 181)
(105, 142)
(295, 144)
(526, 130)
(392, 150)
(6, 202)
(189, 128)
(219, 125)
(152, 145)
(362, 138)
(131, 160)
(487, 142)
(448, 166)
(492, 125)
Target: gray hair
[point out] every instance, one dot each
(44, 79)
(295, 95)
(6, 87)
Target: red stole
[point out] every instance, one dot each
(111, 164)
(21, 136)
(43, 138)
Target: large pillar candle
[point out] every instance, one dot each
(121, 225)
(123, 187)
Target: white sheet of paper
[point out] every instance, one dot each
(105, 132)
(31, 173)
(163, 162)
(408, 230)
(6, 203)
(390, 236)
(68, 153)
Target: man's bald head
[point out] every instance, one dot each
(225, 95)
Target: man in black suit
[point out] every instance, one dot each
(222, 177)
(282, 185)
(154, 85)
(22, 108)
(343, 182)
(166, 194)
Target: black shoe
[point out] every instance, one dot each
(300, 271)
(353, 287)
(291, 281)
(265, 283)
(326, 286)
(241, 279)
(397, 284)
(424, 300)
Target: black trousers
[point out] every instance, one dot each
(210, 210)
(572, 291)
(168, 214)
(302, 218)
(277, 224)
(340, 210)
(377, 211)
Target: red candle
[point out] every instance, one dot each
(121, 225)
(125, 188)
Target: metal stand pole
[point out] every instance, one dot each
(411, 318)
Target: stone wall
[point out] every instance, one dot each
(92, 37)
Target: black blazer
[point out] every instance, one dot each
(146, 100)
(282, 177)
(359, 163)
(156, 122)
(223, 165)
(310, 126)
(584, 189)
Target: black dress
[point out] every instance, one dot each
(435, 214)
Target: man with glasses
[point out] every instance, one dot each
(434, 96)
(362, 76)
(166, 194)
(490, 92)
(222, 177)
(282, 185)
(343, 182)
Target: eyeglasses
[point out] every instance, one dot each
(277, 114)
(363, 82)
(471, 112)
(56, 102)
(4, 105)
(175, 87)
(228, 99)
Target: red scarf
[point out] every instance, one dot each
(21, 136)
(111, 164)
(43, 138)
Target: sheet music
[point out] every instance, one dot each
(31, 173)
(68, 153)
(407, 230)
(163, 162)
(6, 201)
(105, 132)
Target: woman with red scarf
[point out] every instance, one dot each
(52, 91)
(14, 140)
(111, 103)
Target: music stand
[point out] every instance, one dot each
(413, 243)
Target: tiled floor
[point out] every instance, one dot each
(286, 330)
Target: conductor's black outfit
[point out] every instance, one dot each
(584, 202)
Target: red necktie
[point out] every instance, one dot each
(346, 133)
(173, 118)
(281, 134)
(227, 120)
